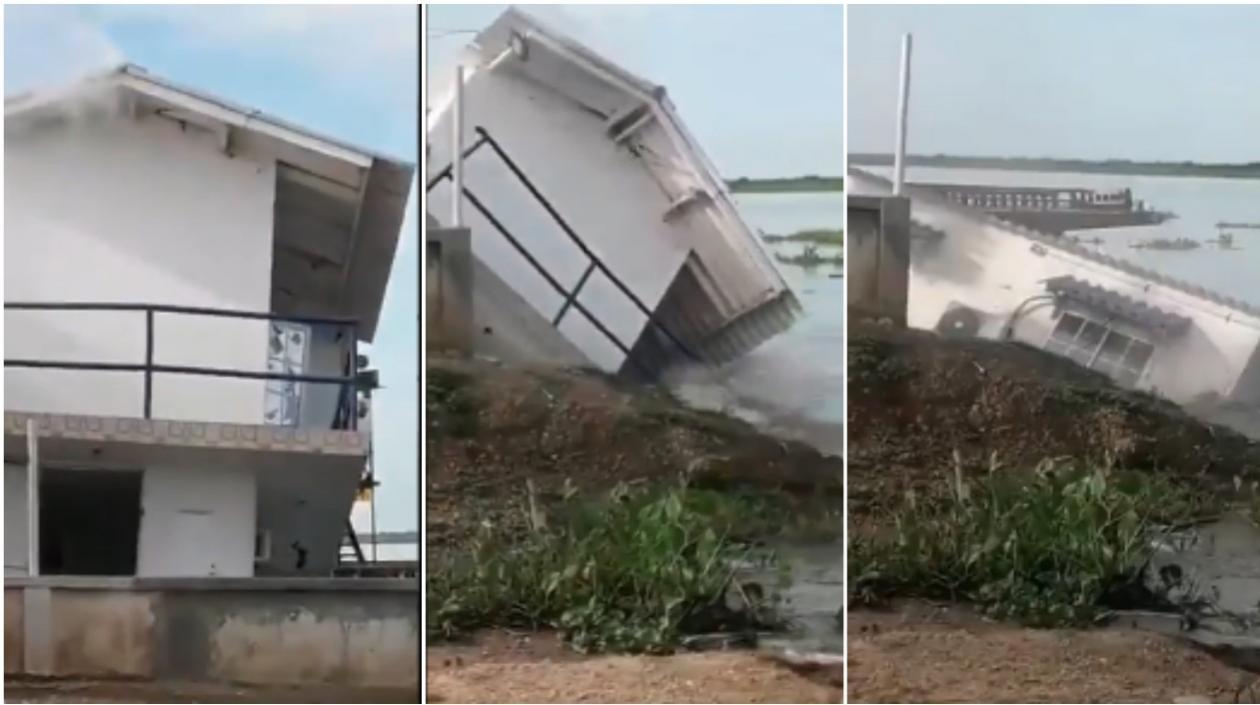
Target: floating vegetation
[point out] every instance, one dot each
(819, 236)
(1225, 241)
(1162, 243)
(810, 257)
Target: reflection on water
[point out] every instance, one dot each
(792, 385)
(1199, 203)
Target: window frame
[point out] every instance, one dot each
(1114, 369)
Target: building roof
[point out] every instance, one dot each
(339, 207)
(1069, 246)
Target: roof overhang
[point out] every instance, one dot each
(339, 208)
(1115, 304)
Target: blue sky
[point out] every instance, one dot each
(761, 86)
(351, 72)
(1165, 82)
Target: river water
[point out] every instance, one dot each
(792, 385)
(1199, 203)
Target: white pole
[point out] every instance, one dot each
(903, 110)
(457, 145)
(32, 499)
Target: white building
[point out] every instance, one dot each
(640, 259)
(972, 274)
(265, 249)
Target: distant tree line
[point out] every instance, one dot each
(794, 184)
(1245, 170)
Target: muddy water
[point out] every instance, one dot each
(1217, 567)
(814, 597)
(1219, 562)
(791, 386)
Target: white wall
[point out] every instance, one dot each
(988, 266)
(128, 211)
(15, 529)
(197, 522)
(609, 200)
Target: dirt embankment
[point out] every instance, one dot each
(920, 403)
(492, 428)
(493, 431)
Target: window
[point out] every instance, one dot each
(1095, 345)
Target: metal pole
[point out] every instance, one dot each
(903, 110)
(457, 147)
(32, 499)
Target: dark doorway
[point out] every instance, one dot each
(89, 521)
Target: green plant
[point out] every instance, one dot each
(1054, 548)
(633, 573)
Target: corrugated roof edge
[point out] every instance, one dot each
(140, 73)
(1076, 249)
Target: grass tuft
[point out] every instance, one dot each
(634, 573)
(1058, 548)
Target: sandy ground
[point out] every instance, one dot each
(538, 669)
(127, 691)
(907, 657)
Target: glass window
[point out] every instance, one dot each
(1095, 345)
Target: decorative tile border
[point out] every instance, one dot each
(197, 434)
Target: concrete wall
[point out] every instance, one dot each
(326, 356)
(877, 257)
(449, 287)
(135, 211)
(347, 632)
(197, 522)
(990, 266)
(602, 191)
(15, 528)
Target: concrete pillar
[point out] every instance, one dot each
(37, 632)
(448, 297)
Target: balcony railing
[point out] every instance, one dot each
(345, 417)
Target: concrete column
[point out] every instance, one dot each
(37, 639)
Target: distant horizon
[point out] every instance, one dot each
(865, 156)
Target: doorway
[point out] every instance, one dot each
(89, 521)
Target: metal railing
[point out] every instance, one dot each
(570, 296)
(346, 415)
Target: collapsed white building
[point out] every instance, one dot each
(601, 233)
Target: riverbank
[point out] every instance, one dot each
(556, 483)
(995, 479)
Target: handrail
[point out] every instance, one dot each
(149, 367)
(595, 263)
